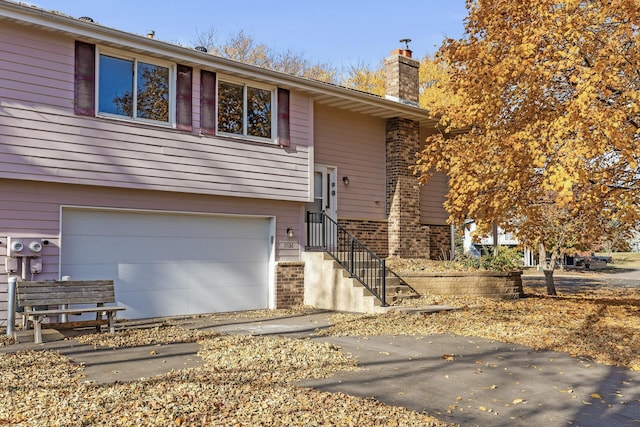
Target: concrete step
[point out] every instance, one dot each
(48, 335)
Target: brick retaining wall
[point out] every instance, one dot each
(481, 283)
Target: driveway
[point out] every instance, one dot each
(465, 380)
(569, 281)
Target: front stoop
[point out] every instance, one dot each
(329, 286)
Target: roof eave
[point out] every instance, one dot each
(321, 92)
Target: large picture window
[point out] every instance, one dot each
(245, 110)
(134, 89)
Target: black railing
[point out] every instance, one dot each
(324, 234)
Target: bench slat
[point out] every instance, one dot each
(71, 292)
(72, 310)
(42, 299)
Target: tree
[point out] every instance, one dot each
(435, 93)
(244, 48)
(361, 77)
(550, 114)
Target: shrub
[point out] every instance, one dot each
(505, 260)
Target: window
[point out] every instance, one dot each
(134, 89)
(245, 110)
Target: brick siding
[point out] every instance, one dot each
(439, 242)
(407, 237)
(289, 284)
(373, 234)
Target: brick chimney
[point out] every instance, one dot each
(407, 237)
(402, 80)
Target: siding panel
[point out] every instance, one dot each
(355, 144)
(41, 138)
(432, 196)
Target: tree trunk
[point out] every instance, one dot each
(548, 265)
(548, 280)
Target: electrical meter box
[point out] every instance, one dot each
(23, 246)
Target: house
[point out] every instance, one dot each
(477, 247)
(186, 177)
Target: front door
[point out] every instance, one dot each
(325, 198)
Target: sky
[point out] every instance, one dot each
(334, 32)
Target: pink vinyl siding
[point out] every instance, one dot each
(355, 144)
(32, 209)
(43, 140)
(432, 197)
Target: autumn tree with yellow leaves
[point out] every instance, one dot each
(548, 130)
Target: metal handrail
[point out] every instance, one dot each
(324, 234)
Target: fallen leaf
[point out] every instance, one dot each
(517, 401)
(596, 396)
(448, 356)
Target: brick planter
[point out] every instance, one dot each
(480, 283)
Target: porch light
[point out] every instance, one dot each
(345, 180)
(289, 232)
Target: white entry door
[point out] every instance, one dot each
(169, 264)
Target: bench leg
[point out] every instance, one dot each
(112, 328)
(37, 331)
(99, 317)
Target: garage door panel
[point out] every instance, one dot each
(168, 264)
(177, 302)
(169, 225)
(190, 275)
(110, 249)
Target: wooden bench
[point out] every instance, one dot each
(38, 297)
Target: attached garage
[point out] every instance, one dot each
(168, 263)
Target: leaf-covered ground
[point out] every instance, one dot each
(247, 380)
(244, 381)
(603, 324)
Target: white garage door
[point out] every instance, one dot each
(167, 264)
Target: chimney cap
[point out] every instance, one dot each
(403, 52)
(406, 43)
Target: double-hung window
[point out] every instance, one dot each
(245, 109)
(134, 88)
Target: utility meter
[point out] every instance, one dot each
(15, 247)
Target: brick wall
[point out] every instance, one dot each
(374, 234)
(439, 242)
(407, 237)
(289, 284)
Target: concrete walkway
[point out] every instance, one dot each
(464, 380)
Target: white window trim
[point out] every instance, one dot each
(274, 108)
(137, 58)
